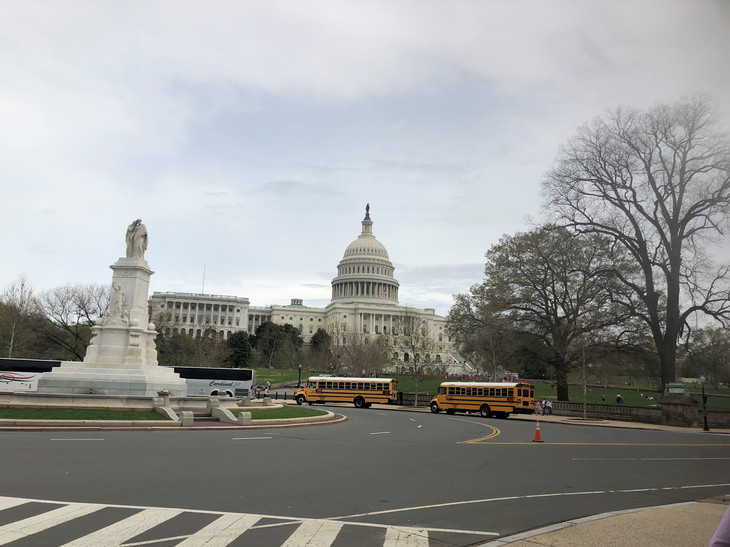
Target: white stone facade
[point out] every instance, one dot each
(193, 314)
(364, 302)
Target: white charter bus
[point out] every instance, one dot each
(230, 382)
(23, 374)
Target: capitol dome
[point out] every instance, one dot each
(365, 271)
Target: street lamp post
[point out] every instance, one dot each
(299, 381)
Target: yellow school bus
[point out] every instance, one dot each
(362, 392)
(487, 398)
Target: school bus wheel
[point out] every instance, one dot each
(300, 399)
(434, 408)
(359, 402)
(485, 411)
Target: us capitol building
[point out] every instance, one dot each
(364, 300)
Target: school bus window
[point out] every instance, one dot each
(510, 392)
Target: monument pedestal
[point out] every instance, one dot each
(121, 358)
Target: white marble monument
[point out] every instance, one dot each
(121, 358)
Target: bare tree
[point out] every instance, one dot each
(412, 336)
(355, 353)
(708, 354)
(71, 311)
(20, 306)
(340, 340)
(378, 353)
(479, 332)
(657, 183)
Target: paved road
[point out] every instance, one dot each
(390, 478)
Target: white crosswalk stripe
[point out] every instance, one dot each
(320, 533)
(7, 503)
(224, 530)
(397, 536)
(121, 531)
(221, 531)
(33, 525)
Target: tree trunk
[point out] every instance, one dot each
(415, 399)
(12, 340)
(668, 360)
(561, 381)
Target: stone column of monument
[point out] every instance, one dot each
(121, 358)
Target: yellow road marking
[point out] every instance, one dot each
(493, 434)
(610, 444)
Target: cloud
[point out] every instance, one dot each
(249, 137)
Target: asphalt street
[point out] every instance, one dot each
(463, 479)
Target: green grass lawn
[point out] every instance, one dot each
(276, 376)
(76, 414)
(281, 413)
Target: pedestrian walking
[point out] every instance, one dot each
(549, 407)
(538, 408)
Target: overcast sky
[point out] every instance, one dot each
(248, 136)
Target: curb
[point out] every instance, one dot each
(161, 425)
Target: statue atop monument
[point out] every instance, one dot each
(136, 239)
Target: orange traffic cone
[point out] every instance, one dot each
(538, 438)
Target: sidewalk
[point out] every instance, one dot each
(679, 525)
